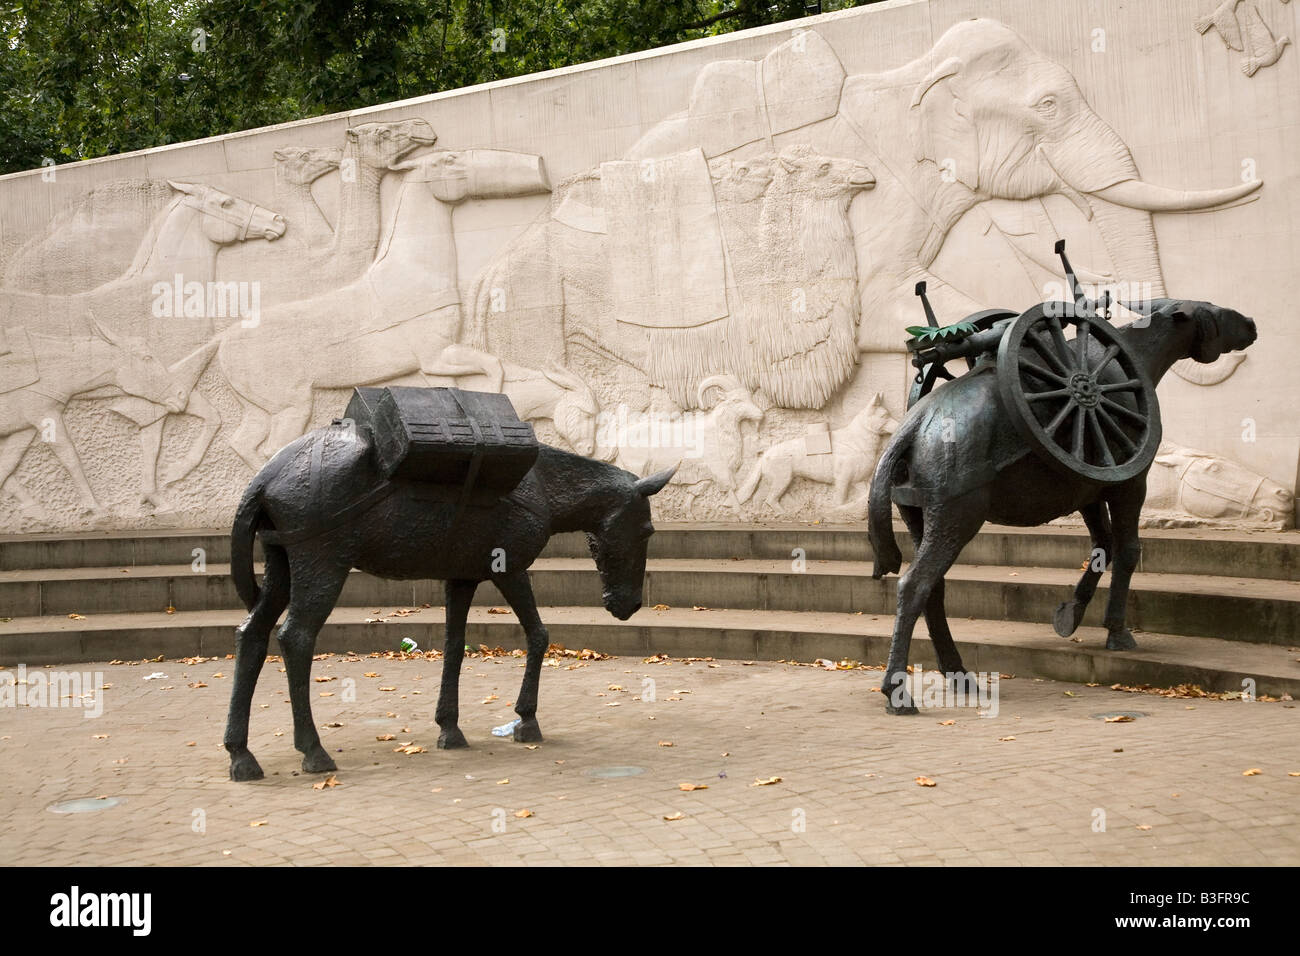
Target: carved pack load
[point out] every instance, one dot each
(445, 436)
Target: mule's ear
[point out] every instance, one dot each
(187, 188)
(653, 484)
(1150, 306)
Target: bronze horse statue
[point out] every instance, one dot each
(323, 507)
(959, 460)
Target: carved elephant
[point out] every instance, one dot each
(982, 116)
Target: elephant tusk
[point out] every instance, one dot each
(1137, 194)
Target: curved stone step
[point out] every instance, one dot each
(1264, 554)
(1021, 649)
(1252, 610)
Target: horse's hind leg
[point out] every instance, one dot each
(1070, 613)
(936, 619)
(951, 525)
(1125, 508)
(519, 592)
(251, 639)
(459, 596)
(314, 588)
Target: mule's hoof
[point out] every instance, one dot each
(318, 761)
(1067, 617)
(902, 710)
(452, 740)
(527, 732)
(244, 767)
(1121, 640)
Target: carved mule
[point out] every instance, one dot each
(946, 454)
(410, 533)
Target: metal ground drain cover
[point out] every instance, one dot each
(1112, 714)
(606, 772)
(85, 805)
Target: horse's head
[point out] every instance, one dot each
(618, 545)
(1211, 329)
(226, 218)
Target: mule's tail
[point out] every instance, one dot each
(880, 511)
(248, 517)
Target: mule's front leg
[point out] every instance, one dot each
(459, 596)
(1125, 507)
(519, 592)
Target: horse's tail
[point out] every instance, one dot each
(248, 517)
(880, 512)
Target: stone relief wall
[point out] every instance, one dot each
(724, 279)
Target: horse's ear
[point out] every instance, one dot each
(653, 484)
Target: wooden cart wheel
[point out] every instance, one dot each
(1086, 405)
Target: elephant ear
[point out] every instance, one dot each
(943, 129)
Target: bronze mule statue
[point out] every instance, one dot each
(405, 530)
(961, 458)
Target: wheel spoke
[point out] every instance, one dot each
(1123, 412)
(1079, 421)
(1045, 350)
(1132, 385)
(1060, 419)
(1100, 438)
(1062, 346)
(1044, 374)
(1081, 344)
(1106, 357)
(1130, 449)
(1041, 396)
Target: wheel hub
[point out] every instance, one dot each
(1083, 388)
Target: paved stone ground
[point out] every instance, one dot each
(1170, 784)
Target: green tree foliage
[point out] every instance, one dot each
(86, 78)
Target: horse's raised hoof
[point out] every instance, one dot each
(527, 732)
(244, 767)
(1121, 640)
(1067, 617)
(318, 761)
(452, 740)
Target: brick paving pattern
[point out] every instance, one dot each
(1170, 784)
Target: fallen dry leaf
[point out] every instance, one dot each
(198, 683)
(77, 617)
(259, 823)
(500, 782)
(489, 698)
(523, 814)
(386, 737)
(333, 723)
(498, 610)
(765, 783)
(665, 743)
(675, 816)
(688, 787)
(925, 782)
(1006, 738)
(388, 688)
(330, 781)
(1119, 719)
(1144, 826)
(409, 749)
(946, 723)
(1252, 772)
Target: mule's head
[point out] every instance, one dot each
(618, 545)
(1211, 329)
